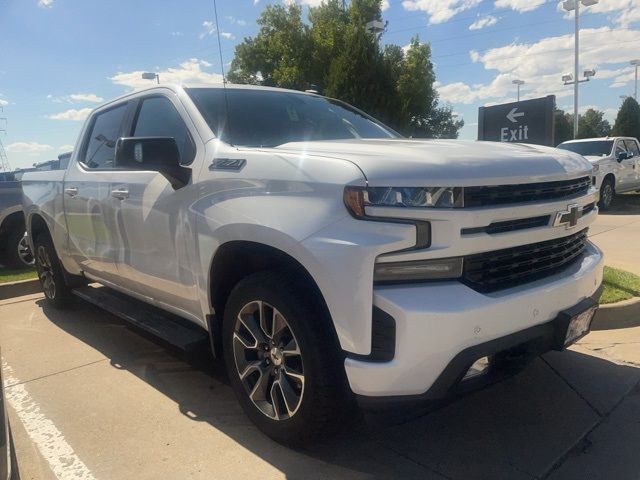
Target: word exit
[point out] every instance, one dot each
(514, 135)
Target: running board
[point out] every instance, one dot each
(170, 328)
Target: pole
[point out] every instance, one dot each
(635, 95)
(518, 92)
(576, 67)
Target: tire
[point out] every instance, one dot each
(313, 379)
(607, 192)
(17, 254)
(50, 272)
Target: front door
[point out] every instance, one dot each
(626, 168)
(154, 223)
(632, 148)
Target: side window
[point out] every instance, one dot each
(620, 147)
(103, 137)
(632, 147)
(158, 117)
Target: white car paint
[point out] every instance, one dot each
(159, 243)
(626, 172)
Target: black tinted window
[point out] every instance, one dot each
(270, 118)
(103, 137)
(632, 147)
(597, 148)
(159, 118)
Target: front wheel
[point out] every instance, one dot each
(607, 192)
(282, 359)
(50, 272)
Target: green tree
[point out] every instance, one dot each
(628, 119)
(563, 129)
(334, 51)
(592, 124)
(278, 54)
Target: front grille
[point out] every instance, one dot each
(509, 225)
(527, 192)
(500, 269)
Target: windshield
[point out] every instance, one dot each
(265, 118)
(596, 148)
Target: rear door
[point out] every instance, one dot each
(87, 200)
(154, 222)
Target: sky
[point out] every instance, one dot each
(61, 58)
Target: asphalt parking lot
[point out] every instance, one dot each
(91, 398)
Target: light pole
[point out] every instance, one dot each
(518, 83)
(151, 76)
(635, 63)
(570, 5)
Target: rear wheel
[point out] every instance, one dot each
(50, 272)
(17, 253)
(607, 192)
(282, 359)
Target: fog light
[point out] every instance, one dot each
(479, 367)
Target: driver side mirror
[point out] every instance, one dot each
(623, 155)
(156, 154)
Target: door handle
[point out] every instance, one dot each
(71, 191)
(120, 193)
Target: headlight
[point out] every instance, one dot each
(418, 270)
(357, 198)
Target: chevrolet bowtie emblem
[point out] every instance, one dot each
(569, 217)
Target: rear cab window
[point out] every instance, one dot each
(100, 142)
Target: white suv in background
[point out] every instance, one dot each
(616, 164)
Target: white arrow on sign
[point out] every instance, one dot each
(512, 115)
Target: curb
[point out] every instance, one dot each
(19, 288)
(622, 314)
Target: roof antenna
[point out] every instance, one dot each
(224, 79)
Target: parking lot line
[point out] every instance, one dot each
(43, 432)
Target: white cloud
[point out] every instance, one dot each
(176, 34)
(482, 22)
(85, 97)
(385, 5)
(189, 71)
(440, 11)
(29, 148)
(45, 3)
(3, 102)
(626, 12)
(236, 21)
(227, 35)
(76, 98)
(541, 64)
(76, 115)
(209, 28)
(65, 148)
(519, 5)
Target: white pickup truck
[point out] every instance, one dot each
(616, 164)
(325, 257)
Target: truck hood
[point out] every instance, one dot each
(596, 158)
(407, 162)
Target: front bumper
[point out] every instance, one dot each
(441, 326)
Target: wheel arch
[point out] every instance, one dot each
(611, 176)
(11, 221)
(237, 259)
